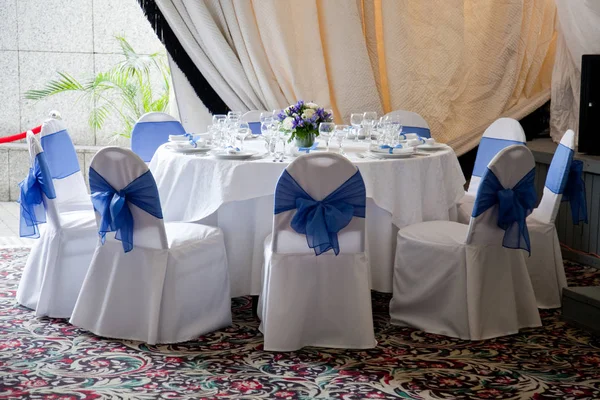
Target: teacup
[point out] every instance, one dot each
(412, 142)
(429, 141)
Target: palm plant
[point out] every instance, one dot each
(126, 90)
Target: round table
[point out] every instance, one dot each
(237, 196)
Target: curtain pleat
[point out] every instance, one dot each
(459, 63)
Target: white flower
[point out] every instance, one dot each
(287, 123)
(311, 105)
(309, 112)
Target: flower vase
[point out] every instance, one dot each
(306, 140)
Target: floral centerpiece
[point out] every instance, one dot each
(302, 120)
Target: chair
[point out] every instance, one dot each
(545, 265)
(151, 131)
(71, 192)
(412, 123)
(316, 283)
(500, 134)
(151, 281)
(460, 280)
(253, 120)
(60, 258)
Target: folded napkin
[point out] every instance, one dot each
(232, 150)
(308, 149)
(389, 149)
(177, 138)
(187, 140)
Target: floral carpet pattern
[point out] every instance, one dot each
(43, 358)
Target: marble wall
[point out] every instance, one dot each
(39, 38)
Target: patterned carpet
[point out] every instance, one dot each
(50, 359)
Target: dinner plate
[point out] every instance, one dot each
(435, 146)
(241, 155)
(398, 153)
(190, 149)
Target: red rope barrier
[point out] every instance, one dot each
(19, 136)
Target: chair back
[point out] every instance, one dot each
(412, 123)
(253, 120)
(151, 131)
(120, 168)
(37, 193)
(318, 175)
(501, 133)
(514, 169)
(58, 147)
(556, 180)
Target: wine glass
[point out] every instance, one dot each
(341, 132)
(241, 133)
(356, 122)
(266, 132)
(330, 112)
(369, 122)
(278, 144)
(218, 119)
(326, 130)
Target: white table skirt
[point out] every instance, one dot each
(237, 196)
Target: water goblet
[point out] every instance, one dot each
(326, 131)
(241, 133)
(356, 122)
(341, 132)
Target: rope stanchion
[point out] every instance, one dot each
(19, 136)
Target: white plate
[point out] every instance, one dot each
(190, 149)
(242, 155)
(435, 146)
(398, 153)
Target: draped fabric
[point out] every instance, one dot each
(460, 63)
(321, 220)
(514, 205)
(60, 153)
(578, 34)
(31, 197)
(112, 205)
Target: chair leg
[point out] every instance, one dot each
(255, 306)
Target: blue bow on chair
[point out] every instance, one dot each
(575, 193)
(31, 199)
(514, 205)
(111, 204)
(321, 220)
(391, 148)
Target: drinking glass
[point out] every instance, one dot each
(326, 130)
(241, 133)
(266, 132)
(341, 132)
(356, 122)
(330, 112)
(218, 119)
(278, 146)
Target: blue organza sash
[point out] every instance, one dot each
(60, 153)
(422, 132)
(488, 148)
(254, 128)
(31, 199)
(321, 220)
(559, 169)
(575, 193)
(112, 205)
(514, 205)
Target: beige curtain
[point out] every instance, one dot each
(460, 64)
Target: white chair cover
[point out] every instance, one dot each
(59, 260)
(457, 280)
(310, 300)
(545, 265)
(412, 123)
(501, 133)
(171, 287)
(71, 192)
(151, 131)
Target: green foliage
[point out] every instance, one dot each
(125, 91)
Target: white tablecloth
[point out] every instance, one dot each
(237, 196)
